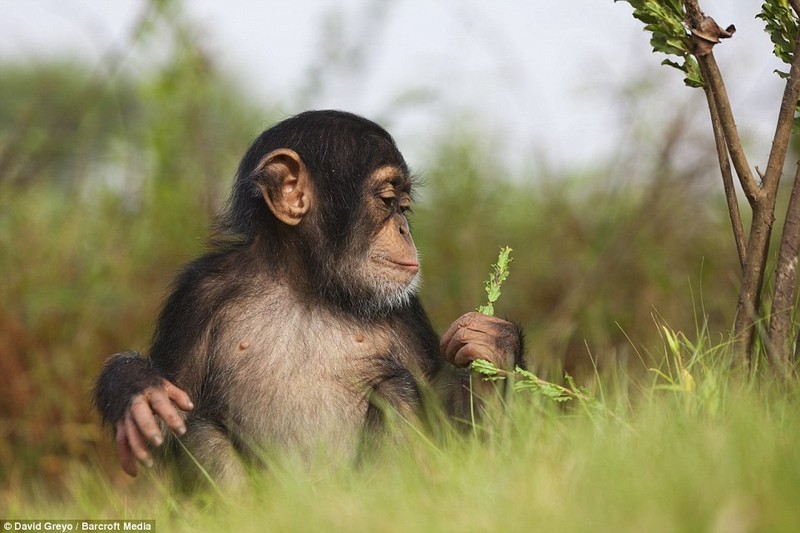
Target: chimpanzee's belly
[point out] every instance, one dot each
(304, 388)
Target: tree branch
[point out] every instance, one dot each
(714, 83)
(780, 325)
(727, 176)
(713, 79)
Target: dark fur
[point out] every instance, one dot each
(112, 396)
(271, 333)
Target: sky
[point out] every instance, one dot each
(538, 77)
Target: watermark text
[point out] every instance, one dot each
(77, 525)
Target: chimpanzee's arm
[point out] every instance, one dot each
(132, 390)
(129, 394)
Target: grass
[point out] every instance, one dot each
(673, 458)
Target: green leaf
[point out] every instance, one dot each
(663, 19)
(487, 370)
(781, 24)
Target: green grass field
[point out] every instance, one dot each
(707, 453)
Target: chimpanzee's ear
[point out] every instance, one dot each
(287, 190)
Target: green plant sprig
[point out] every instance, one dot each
(526, 380)
(498, 275)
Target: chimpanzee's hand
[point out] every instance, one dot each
(139, 425)
(477, 336)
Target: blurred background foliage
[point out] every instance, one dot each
(109, 182)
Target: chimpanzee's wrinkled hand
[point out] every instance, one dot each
(139, 426)
(477, 336)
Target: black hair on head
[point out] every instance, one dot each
(340, 150)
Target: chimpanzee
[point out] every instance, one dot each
(301, 326)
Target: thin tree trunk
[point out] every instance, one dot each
(764, 213)
(780, 325)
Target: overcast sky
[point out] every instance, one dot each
(542, 75)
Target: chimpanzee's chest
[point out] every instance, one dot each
(310, 385)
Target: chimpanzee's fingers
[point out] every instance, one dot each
(124, 451)
(142, 414)
(477, 323)
(498, 340)
(467, 331)
(178, 396)
(137, 441)
(456, 341)
(162, 405)
(450, 348)
(470, 352)
(447, 338)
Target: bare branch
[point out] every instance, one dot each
(698, 22)
(714, 83)
(727, 177)
(780, 325)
